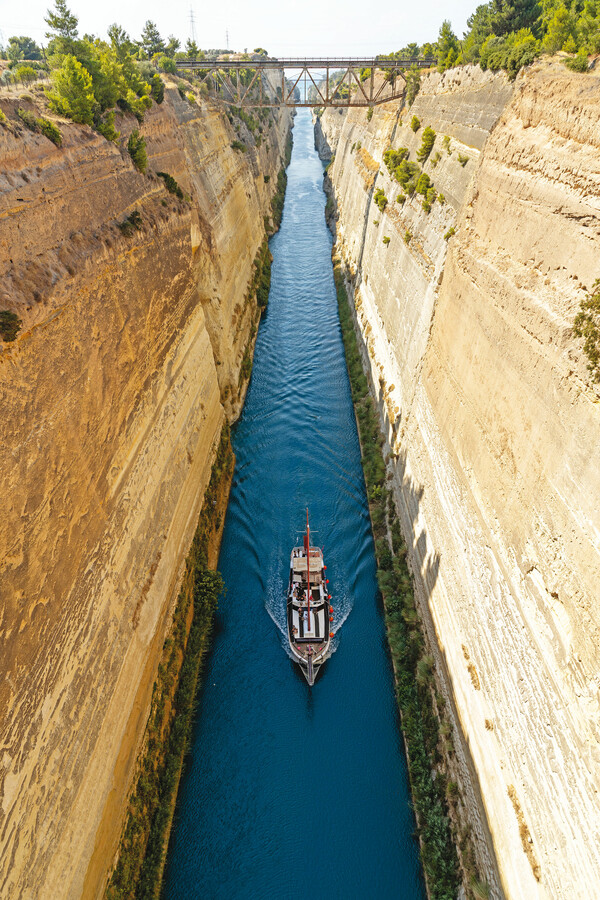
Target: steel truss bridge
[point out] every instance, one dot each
(333, 82)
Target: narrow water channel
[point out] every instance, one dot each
(290, 791)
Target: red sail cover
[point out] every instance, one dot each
(306, 543)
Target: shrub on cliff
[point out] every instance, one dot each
(578, 63)
(40, 124)
(427, 142)
(279, 195)
(157, 88)
(407, 174)
(10, 325)
(415, 124)
(106, 126)
(393, 158)
(170, 184)
(380, 199)
(50, 130)
(167, 65)
(413, 84)
(136, 147)
(587, 326)
(132, 223)
(73, 95)
(510, 52)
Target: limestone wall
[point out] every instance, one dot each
(113, 397)
(494, 428)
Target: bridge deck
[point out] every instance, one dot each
(299, 62)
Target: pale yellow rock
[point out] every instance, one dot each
(496, 429)
(113, 398)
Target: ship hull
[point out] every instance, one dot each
(309, 614)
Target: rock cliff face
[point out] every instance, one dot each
(113, 398)
(494, 430)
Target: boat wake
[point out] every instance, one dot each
(275, 605)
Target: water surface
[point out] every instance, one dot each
(290, 791)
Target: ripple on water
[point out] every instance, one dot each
(289, 789)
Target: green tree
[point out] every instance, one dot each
(10, 325)
(560, 28)
(73, 94)
(61, 22)
(136, 147)
(448, 45)
(588, 26)
(120, 41)
(428, 140)
(25, 73)
(510, 52)
(151, 41)
(157, 88)
(413, 84)
(167, 65)
(173, 45)
(22, 48)
(480, 28)
(587, 326)
(411, 51)
(508, 16)
(106, 71)
(192, 49)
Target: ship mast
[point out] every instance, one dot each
(308, 565)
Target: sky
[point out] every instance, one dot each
(282, 27)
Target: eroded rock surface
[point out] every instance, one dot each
(494, 428)
(113, 397)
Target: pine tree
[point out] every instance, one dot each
(151, 40)
(447, 45)
(22, 48)
(191, 48)
(73, 94)
(508, 16)
(121, 41)
(62, 22)
(173, 45)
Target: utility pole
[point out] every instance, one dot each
(192, 26)
(227, 38)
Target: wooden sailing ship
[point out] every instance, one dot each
(309, 612)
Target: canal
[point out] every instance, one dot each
(290, 791)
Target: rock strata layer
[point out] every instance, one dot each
(113, 398)
(466, 315)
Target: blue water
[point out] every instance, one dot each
(293, 791)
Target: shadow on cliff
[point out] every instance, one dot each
(421, 553)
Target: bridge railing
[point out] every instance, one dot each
(312, 62)
(327, 81)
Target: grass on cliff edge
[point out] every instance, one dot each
(144, 841)
(412, 666)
